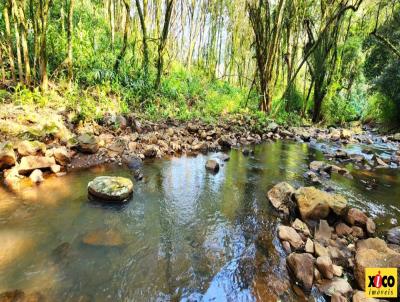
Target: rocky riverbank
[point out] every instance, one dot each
(329, 244)
(56, 147)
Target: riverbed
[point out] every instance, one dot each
(186, 234)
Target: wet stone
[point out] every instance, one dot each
(212, 165)
(111, 188)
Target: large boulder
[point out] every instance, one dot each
(26, 148)
(302, 267)
(87, 143)
(373, 252)
(7, 155)
(30, 163)
(111, 188)
(280, 196)
(316, 204)
(290, 235)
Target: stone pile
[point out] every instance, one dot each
(328, 243)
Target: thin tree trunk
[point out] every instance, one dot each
(3, 72)
(17, 44)
(69, 39)
(125, 42)
(163, 41)
(144, 39)
(8, 41)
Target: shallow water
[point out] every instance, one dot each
(188, 235)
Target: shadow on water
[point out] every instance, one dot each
(186, 234)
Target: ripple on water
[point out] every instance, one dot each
(187, 234)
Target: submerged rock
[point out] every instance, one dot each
(316, 204)
(18, 295)
(212, 165)
(111, 188)
(7, 155)
(102, 237)
(280, 197)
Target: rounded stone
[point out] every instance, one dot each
(111, 188)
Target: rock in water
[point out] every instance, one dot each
(302, 267)
(36, 176)
(280, 196)
(102, 237)
(111, 188)
(373, 252)
(393, 235)
(316, 204)
(7, 155)
(212, 165)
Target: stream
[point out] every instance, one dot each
(186, 234)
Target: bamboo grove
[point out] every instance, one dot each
(278, 50)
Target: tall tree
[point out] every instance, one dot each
(266, 21)
(163, 40)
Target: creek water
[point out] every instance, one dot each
(186, 234)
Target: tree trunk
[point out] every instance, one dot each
(125, 42)
(3, 72)
(8, 41)
(17, 44)
(144, 39)
(163, 41)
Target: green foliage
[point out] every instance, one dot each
(382, 110)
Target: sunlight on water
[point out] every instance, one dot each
(186, 234)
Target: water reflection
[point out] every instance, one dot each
(188, 235)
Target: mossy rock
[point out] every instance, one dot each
(110, 188)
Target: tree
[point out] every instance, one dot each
(163, 40)
(266, 21)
